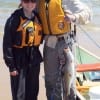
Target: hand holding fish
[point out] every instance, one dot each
(69, 17)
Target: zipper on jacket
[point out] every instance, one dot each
(47, 17)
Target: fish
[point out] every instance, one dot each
(69, 71)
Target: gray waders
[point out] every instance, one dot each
(59, 72)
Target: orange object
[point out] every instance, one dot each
(88, 67)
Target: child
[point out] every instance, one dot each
(22, 37)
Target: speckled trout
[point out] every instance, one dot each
(69, 71)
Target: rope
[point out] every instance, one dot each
(87, 34)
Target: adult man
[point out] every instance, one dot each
(56, 17)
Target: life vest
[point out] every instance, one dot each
(30, 33)
(52, 17)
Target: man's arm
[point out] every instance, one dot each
(81, 11)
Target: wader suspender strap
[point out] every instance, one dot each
(73, 31)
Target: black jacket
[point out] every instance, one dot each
(16, 58)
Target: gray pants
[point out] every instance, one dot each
(52, 58)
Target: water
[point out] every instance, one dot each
(93, 28)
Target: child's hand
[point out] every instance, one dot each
(14, 73)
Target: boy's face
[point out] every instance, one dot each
(28, 6)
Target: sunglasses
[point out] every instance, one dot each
(27, 1)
